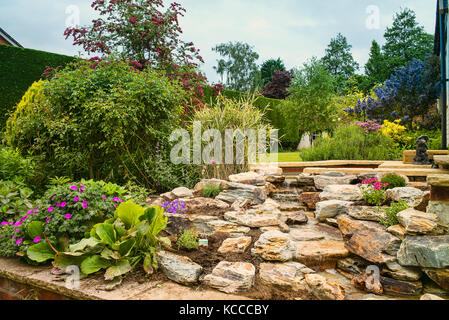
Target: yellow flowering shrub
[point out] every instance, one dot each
(395, 131)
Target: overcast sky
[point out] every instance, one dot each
(294, 30)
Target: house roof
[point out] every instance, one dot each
(8, 38)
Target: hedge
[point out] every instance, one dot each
(270, 106)
(19, 69)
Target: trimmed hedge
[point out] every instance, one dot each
(19, 69)
(270, 106)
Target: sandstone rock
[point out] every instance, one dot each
(177, 224)
(406, 288)
(292, 206)
(324, 289)
(205, 205)
(252, 178)
(305, 179)
(270, 206)
(200, 224)
(417, 222)
(233, 229)
(211, 182)
(284, 196)
(398, 231)
(168, 196)
(323, 180)
(439, 276)
(277, 179)
(331, 221)
(235, 245)
(366, 213)
(320, 254)
(398, 272)
(425, 251)
(429, 296)
(331, 209)
(423, 186)
(342, 192)
(274, 246)
(306, 235)
(231, 277)
(423, 203)
(285, 276)
(438, 180)
(178, 268)
(283, 227)
(297, 218)
(335, 174)
(367, 282)
(368, 240)
(238, 190)
(310, 199)
(241, 204)
(353, 265)
(441, 209)
(182, 193)
(252, 220)
(411, 196)
(266, 229)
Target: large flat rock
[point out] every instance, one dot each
(425, 251)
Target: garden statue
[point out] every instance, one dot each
(422, 157)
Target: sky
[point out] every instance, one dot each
(294, 30)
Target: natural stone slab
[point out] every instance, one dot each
(429, 296)
(368, 240)
(398, 272)
(438, 180)
(310, 199)
(353, 265)
(284, 276)
(425, 251)
(205, 205)
(410, 195)
(182, 193)
(366, 213)
(320, 254)
(211, 182)
(252, 178)
(297, 218)
(228, 227)
(306, 235)
(331, 209)
(231, 277)
(406, 288)
(342, 192)
(417, 222)
(235, 245)
(323, 180)
(277, 179)
(252, 220)
(324, 289)
(439, 276)
(441, 209)
(274, 246)
(397, 231)
(178, 268)
(304, 179)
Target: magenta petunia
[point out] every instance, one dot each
(37, 239)
(19, 241)
(51, 209)
(4, 223)
(63, 204)
(68, 216)
(104, 197)
(116, 199)
(76, 199)
(85, 204)
(74, 188)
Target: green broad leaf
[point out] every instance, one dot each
(106, 233)
(150, 214)
(142, 228)
(64, 260)
(129, 213)
(119, 228)
(120, 268)
(93, 231)
(93, 264)
(40, 252)
(90, 244)
(147, 264)
(126, 247)
(159, 223)
(109, 254)
(166, 242)
(35, 229)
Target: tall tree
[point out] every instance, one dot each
(240, 68)
(376, 69)
(269, 67)
(406, 40)
(339, 60)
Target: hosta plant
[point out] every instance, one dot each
(116, 245)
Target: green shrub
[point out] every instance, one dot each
(352, 143)
(20, 68)
(188, 240)
(98, 123)
(211, 191)
(391, 213)
(15, 199)
(14, 167)
(394, 181)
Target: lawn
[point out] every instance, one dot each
(281, 157)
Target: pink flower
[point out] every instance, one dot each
(76, 199)
(116, 199)
(48, 219)
(4, 223)
(104, 197)
(68, 216)
(63, 204)
(37, 239)
(73, 188)
(85, 204)
(51, 209)
(19, 241)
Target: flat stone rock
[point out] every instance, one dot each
(211, 182)
(310, 199)
(233, 229)
(331, 209)
(276, 179)
(416, 222)
(438, 180)
(406, 288)
(235, 245)
(342, 192)
(439, 276)
(353, 265)
(423, 202)
(425, 251)
(182, 193)
(207, 205)
(284, 276)
(320, 254)
(324, 289)
(241, 204)
(178, 268)
(429, 296)
(441, 209)
(252, 178)
(323, 180)
(274, 246)
(297, 218)
(305, 179)
(236, 191)
(366, 213)
(306, 235)
(396, 271)
(292, 206)
(368, 240)
(398, 231)
(252, 220)
(410, 195)
(177, 224)
(231, 277)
